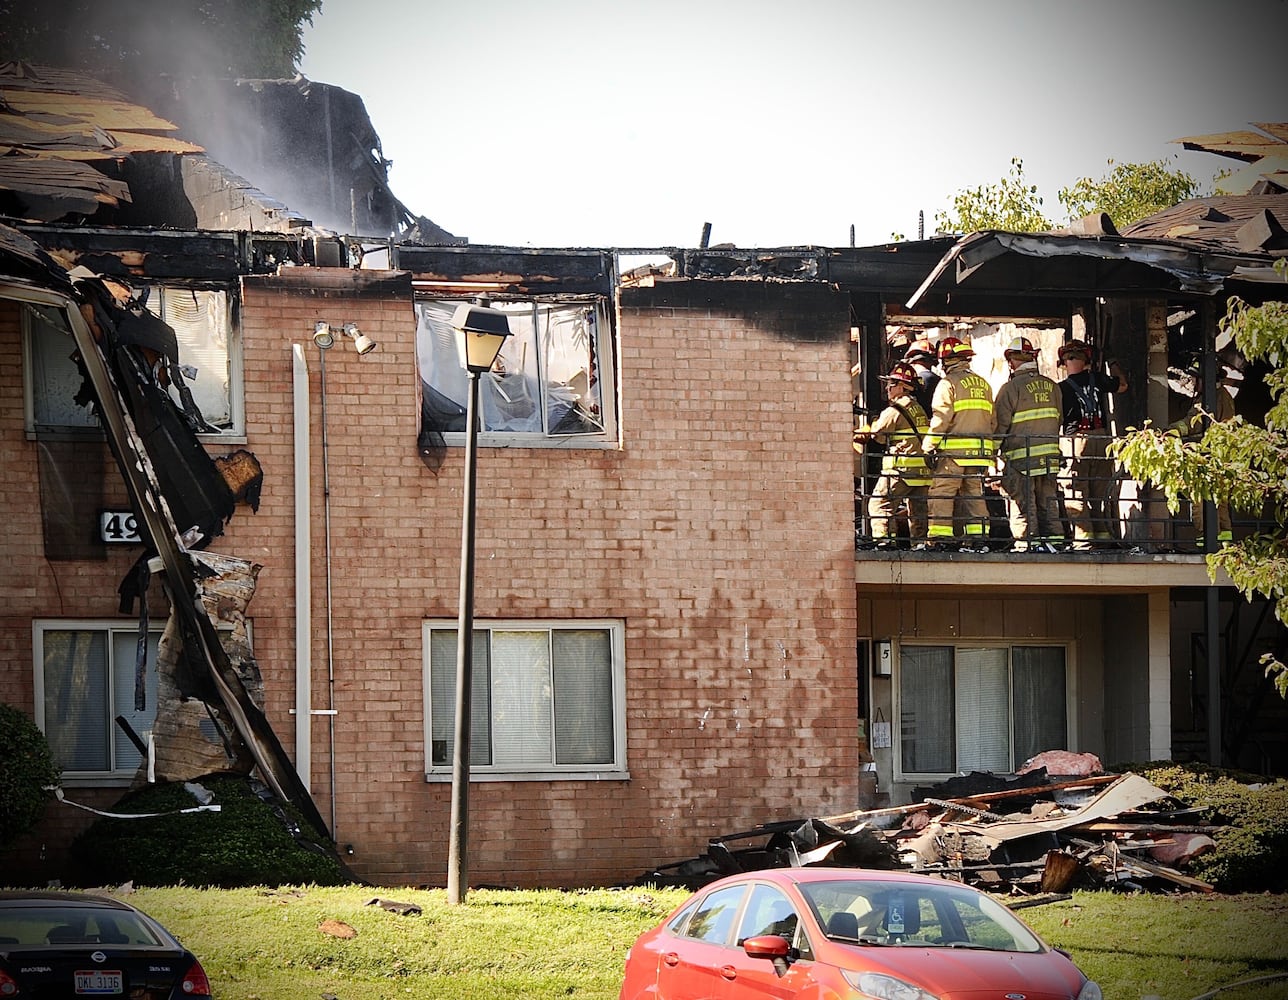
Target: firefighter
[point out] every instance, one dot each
(921, 355)
(900, 427)
(959, 449)
(1028, 431)
(1088, 489)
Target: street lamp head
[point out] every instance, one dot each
(481, 333)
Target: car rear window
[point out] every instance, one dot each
(56, 927)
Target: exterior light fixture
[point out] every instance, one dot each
(361, 342)
(481, 332)
(324, 335)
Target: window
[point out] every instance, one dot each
(552, 382)
(979, 708)
(713, 919)
(768, 912)
(84, 681)
(208, 354)
(546, 700)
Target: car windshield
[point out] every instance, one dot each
(886, 913)
(70, 926)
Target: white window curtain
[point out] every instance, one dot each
(583, 675)
(972, 708)
(521, 699)
(543, 698)
(983, 713)
(202, 323)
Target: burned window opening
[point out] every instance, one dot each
(552, 381)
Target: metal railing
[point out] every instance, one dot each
(1100, 508)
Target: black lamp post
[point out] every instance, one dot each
(480, 334)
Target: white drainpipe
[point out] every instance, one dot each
(303, 571)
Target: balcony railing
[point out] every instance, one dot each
(1127, 516)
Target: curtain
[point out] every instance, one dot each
(926, 708)
(583, 674)
(1041, 721)
(521, 699)
(983, 707)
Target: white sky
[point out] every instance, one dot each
(602, 123)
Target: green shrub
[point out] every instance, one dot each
(1253, 814)
(27, 772)
(246, 843)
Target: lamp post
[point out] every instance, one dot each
(481, 332)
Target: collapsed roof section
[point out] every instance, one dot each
(311, 143)
(1264, 152)
(75, 150)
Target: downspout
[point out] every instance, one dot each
(303, 570)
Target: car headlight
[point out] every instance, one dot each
(874, 984)
(1090, 991)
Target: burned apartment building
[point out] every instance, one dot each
(675, 635)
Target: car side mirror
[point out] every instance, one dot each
(773, 947)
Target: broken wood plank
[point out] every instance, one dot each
(1010, 793)
(1058, 871)
(1147, 867)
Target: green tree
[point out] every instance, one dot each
(126, 42)
(1129, 192)
(1012, 204)
(1237, 463)
(27, 773)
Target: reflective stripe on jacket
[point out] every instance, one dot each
(903, 455)
(1028, 422)
(962, 421)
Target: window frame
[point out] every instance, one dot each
(901, 774)
(116, 776)
(235, 432)
(616, 770)
(605, 352)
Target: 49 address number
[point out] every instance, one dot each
(119, 526)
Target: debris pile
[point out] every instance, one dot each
(1026, 834)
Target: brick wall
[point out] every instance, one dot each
(720, 533)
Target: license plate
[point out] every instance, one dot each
(100, 982)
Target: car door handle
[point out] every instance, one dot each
(729, 972)
(671, 959)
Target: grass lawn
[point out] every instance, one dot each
(265, 944)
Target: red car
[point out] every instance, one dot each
(846, 934)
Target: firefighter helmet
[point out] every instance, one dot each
(1021, 346)
(951, 347)
(903, 372)
(1075, 348)
(920, 350)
